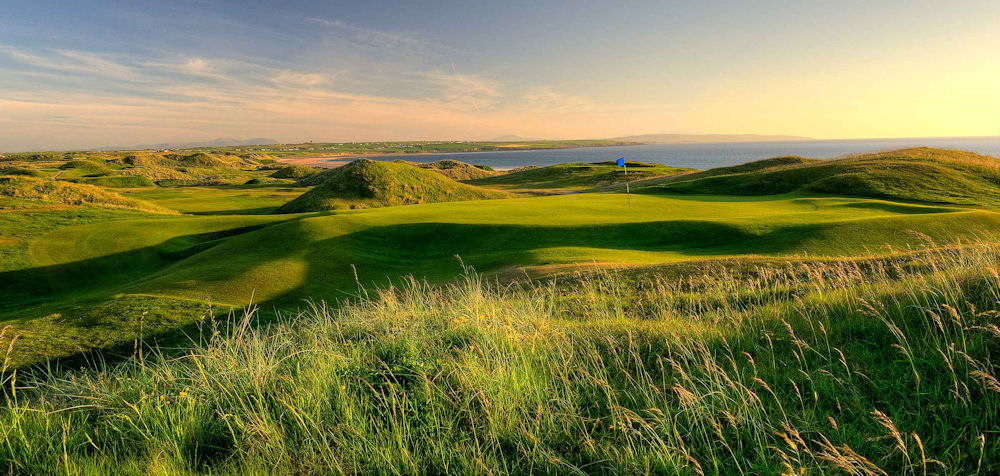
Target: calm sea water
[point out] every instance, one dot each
(706, 156)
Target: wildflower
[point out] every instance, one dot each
(343, 387)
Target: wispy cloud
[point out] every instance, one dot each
(86, 98)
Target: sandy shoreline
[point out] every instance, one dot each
(340, 160)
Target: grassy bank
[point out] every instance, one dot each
(864, 366)
(64, 275)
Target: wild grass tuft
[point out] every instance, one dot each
(865, 367)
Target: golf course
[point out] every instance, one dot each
(218, 311)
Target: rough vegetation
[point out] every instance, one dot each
(118, 181)
(32, 188)
(921, 174)
(367, 183)
(456, 170)
(866, 367)
(668, 333)
(573, 176)
(22, 171)
(295, 172)
(76, 168)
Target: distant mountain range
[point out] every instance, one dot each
(706, 138)
(223, 142)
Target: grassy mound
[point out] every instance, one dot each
(77, 168)
(885, 368)
(50, 191)
(295, 172)
(574, 176)
(372, 184)
(920, 174)
(23, 171)
(118, 181)
(197, 159)
(457, 170)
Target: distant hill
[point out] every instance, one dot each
(571, 177)
(368, 183)
(919, 174)
(705, 138)
(223, 142)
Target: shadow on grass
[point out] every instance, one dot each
(381, 255)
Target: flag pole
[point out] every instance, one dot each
(628, 193)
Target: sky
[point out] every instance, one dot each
(83, 73)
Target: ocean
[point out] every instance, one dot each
(706, 156)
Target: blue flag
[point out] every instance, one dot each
(621, 162)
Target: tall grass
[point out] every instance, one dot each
(865, 367)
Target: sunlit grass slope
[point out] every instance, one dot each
(921, 174)
(456, 170)
(571, 177)
(19, 187)
(295, 172)
(863, 367)
(222, 199)
(76, 280)
(368, 183)
(118, 181)
(313, 256)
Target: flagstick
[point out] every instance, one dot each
(628, 194)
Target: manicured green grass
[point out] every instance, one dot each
(573, 177)
(730, 333)
(220, 199)
(65, 303)
(225, 259)
(866, 367)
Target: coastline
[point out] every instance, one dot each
(339, 160)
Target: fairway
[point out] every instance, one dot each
(488, 239)
(315, 256)
(219, 200)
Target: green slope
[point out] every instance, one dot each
(77, 168)
(921, 174)
(456, 170)
(64, 193)
(23, 171)
(312, 256)
(371, 184)
(220, 199)
(573, 177)
(295, 172)
(118, 181)
(95, 270)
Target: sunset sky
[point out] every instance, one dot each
(77, 74)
